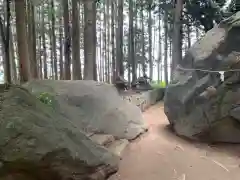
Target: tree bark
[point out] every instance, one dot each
(119, 40)
(61, 50)
(90, 40)
(32, 39)
(131, 54)
(45, 69)
(5, 35)
(159, 48)
(54, 48)
(166, 47)
(112, 43)
(12, 58)
(22, 40)
(150, 39)
(143, 40)
(76, 66)
(177, 36)
(67, 40)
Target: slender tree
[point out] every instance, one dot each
(166, 47)
(67, 40)
(90, 40)
(21, 25)
(119, 40)
(150, 38)
(177, 36)
(61, 69)
(159, 47)
(143, 39)
(5, 36)
(131, 54)
(113, 40)
(76, 41)
(53, 36)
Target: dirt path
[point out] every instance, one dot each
(160, 155)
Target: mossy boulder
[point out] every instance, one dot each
(38, 143)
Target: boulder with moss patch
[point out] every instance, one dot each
(93, 107)
(38, 143)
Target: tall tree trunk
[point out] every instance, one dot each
(67, 40)
(45, 69)
(189, 33)
(113, 44)
(76, 66)
(90, 40)
(54, 48)
(159, 47)
(51, 58)
(5, 35)
(12, 58)
(135, 37)
(150, 38)
(101, 71)
(119, 40)
(105, 42)
(94, 42)
(61, 50)
(131, 54)
(166, 47)
(177, 35)
(108, 41)
(32, 40)
(106, 38)
(40, 75)
(22, 40)
(143, 40)
(82, 34)
(170, 58)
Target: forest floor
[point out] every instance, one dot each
(161, 155)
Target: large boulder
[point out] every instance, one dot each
(93, 107)
(38, 143)
(144, 99)
(202, 103)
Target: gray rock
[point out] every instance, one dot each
(118, 147)
(198, 103)
(93, 107)
(102, 139)
(38, 143)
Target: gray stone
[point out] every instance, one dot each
(118, 147)
(38, 143)
(199, 103)
(102, 139)
(145, 99)
(93, 107)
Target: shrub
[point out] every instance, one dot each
(46, 98)
(161, 84)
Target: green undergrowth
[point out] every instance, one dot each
(46, 98)
(160, 84)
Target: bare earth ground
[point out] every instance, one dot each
(160, 155)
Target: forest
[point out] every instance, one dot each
(63, 117)
(102, 39)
